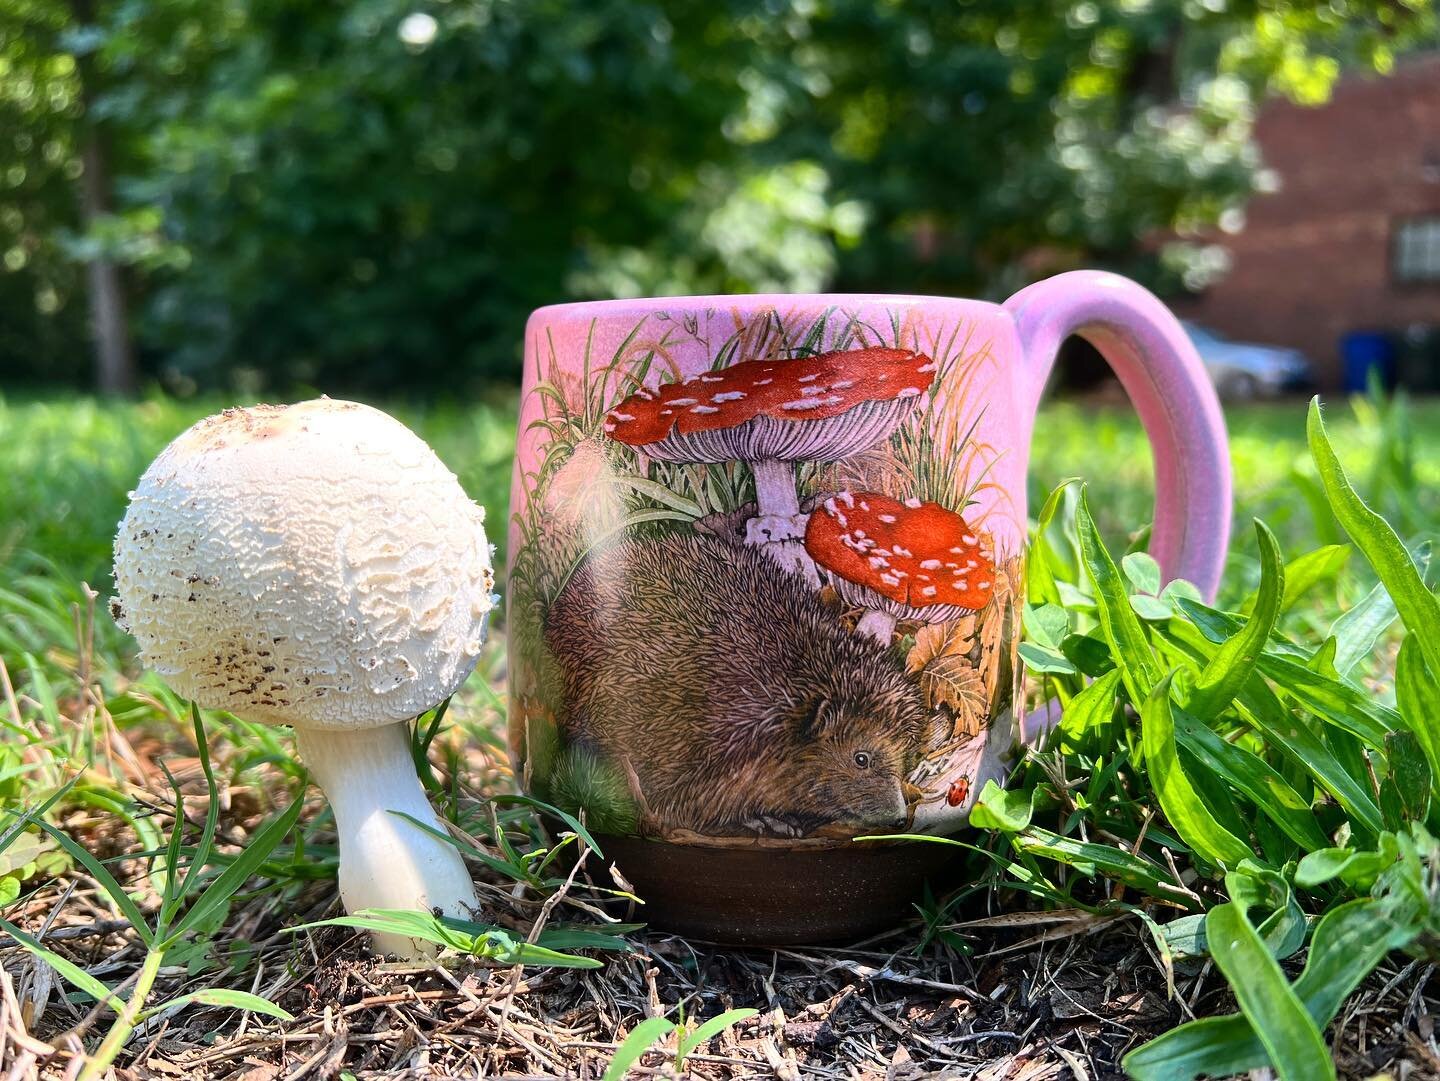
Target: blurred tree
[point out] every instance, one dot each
(374, 194)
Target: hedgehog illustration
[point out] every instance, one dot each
(729, 694)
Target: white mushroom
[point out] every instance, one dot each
(317, 565)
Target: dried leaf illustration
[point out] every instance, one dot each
(952, 681)
(937, 640)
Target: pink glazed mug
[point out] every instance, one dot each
(766, 569)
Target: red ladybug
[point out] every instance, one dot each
(958, 791)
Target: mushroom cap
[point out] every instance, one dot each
(817, 408)
(917, 559)
(313, 564)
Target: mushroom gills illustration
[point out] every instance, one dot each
(899, 560)
(317, 565)
(773, 414)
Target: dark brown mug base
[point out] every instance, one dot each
(778, 896)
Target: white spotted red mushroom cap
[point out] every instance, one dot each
(817, 408)
(313, 564)
(911, 559)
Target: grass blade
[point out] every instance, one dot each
(224, 996)
(1418, 695)
(220, 891)
(1285, 1028)
(1419, 608)
(100, 992)
(1230, 668)
(98, 871)
(1118, 621)
(642, 1038)
(1257, 779)
(1182, 805)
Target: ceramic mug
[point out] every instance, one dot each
(766, 568)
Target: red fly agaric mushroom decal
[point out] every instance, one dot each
(773, 413)
(899, 560)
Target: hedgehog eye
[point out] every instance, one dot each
(862, 759)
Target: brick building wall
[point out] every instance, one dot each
(1314, 259)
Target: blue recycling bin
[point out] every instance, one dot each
(1366, 351)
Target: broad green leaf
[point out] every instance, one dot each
(1305, 572)
(1356, 631)
(1410, 779)
(1230, 668)
(1038, 659)
(1284, 929)
(1286, 1030)
(1418, 607)
(1118, 622)
(1142, 571)
(1004, 809)
(1257, 779)
(1089, 712)
(1092, 859)
(1417, 693)
(1046, 624)
(1182, 805)
(1349, 941)
(642, 1038)
(1262, 710)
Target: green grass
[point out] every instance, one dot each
(66, 466)
(1263, 772)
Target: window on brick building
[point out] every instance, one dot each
(1415, 254)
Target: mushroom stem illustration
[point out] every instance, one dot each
(775, 495)
(772, 414)
(386, 860)
(317, 565)
(878, 624)
(899, 560)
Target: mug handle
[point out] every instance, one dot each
(1161, 372)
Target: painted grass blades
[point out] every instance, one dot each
(1177, 796)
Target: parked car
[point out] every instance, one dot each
(1242, 370)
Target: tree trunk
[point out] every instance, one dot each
(114, 356)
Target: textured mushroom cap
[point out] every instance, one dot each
(916, 560)
(818, 408)
(313, 564)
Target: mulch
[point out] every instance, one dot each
(1038, 996)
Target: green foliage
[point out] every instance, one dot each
(483, 941)
(373, 195)
(1230, 742)
(649, 1032)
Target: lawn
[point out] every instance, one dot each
(1037, 967)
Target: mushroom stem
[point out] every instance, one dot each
(775, 494)
(878, 625)
(386, 861)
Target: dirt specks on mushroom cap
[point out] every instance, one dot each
(777, 408)
(914, 554)
(312, 564)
